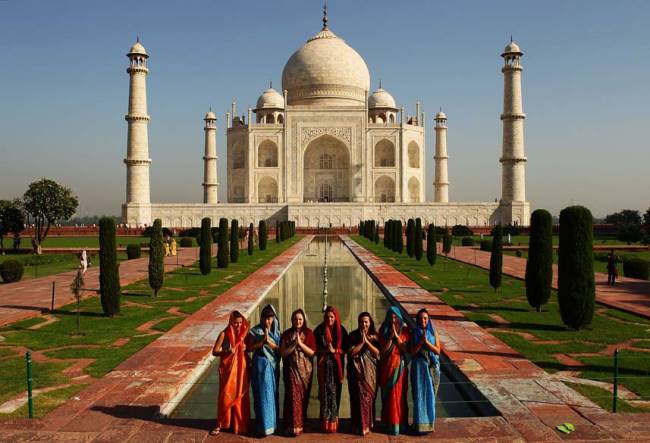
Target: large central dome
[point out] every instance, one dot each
(326, 71)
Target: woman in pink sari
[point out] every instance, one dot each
(233, 404)
(297, 348)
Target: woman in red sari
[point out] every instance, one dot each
(297, 348)
(331, 344)
(234, 404)
(393, 372)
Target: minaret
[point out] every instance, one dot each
(513, 160)
(210, 182)
(137, 146)
(441, 182)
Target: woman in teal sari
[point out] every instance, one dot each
(425, 372)
(264, 341)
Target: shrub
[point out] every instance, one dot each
(576, 289)
(486, 245)
(410, 237)
(432, 253)
(205, 247)
(467, 241)
(461, 231)
(263, 235)
(251, 235)
(222, 252)
(278, 234)
(156, 258)
(399, 238)
(190, 232)
(635, 267)
(539, 266)
(133, 251)
(234, 241)
(518, 253)
(418, 239)
(446, 243)
(629, 233)
(440, 231)
(361, 228)
(496, 258)
(511, 229)
(377, 235)
(11, 270)
(387, 231)
(149, 230)
(109, 275)
(186, 242)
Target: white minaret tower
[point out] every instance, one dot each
(513, 160)
(441, 182)
(210, 182)
(137, 210)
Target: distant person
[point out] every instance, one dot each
(16, 241)
(509, 239)
(233, 406)
(83, 261)
(172, 247)
(612, 270)
(166, 246)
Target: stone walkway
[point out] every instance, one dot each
(531, 402)
(629, 294)
(31, 298)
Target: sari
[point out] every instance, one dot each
(265, 374)
(234, 404)
(330, 369)
(392, 377)
(425, 379)
(362, 383)
(297, 370)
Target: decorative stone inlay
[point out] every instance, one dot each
(137, 162)
(136, 118)
(309, 134)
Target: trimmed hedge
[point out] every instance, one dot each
(486, 245)
(11, 270)
(205, 247)
(467, 241)
(410, 237)
(156, 258)
(461, 231)
(634, 268)
(222, 252)
(263, 235)
(234, 241)
(185, 242)
(447, 241)
(399, 238)
(576, 288)
(251, 235)
(496, 258)
(109, 274)
(133, 251)
(432, 253)
(418, 239)
(539, 266)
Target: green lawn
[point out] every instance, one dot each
(99, 334)
(467, 289)
(521, 240)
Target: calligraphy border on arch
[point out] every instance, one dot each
(309, 133)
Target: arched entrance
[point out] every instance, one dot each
(414, 190)
(267, 190)
(384, 190)
(326, 171)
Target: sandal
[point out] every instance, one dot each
(566, 428)
(215, 431)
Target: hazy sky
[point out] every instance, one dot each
(586, 83)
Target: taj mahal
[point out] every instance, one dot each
(327, 151)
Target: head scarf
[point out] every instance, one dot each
(235, 338)
(387, 325)
(430, 333)
(274, 331)
(334, 336)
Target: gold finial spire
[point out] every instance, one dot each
(325, 15)
(270, 84)
(379, 83)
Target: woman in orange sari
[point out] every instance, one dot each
(297, 347)
(234, 404)
(393, 371)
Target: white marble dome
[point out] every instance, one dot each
(137, 48)
(511, 48)
(210, 116)
(325, 70)
(381, 99)
(270, 99)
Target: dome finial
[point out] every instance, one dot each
(325, 15)
(270, 84)
(510, 38)
(379, 83)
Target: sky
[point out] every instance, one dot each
(586, 89)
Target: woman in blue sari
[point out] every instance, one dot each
(425, 372)
(264, 341)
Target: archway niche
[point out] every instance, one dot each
(267, 190)
(267, 154)
(414, 155)
(414, 190)
(326, 171)
(238, 158)
(384, 190)
(384, 154)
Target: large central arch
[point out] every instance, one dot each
(326, 171)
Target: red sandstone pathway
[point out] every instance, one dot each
(31, 298)
(629, 294)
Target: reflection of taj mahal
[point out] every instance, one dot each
(326, 151)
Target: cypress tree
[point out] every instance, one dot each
(278, 234)
(496, 258)
(386, 227)
(362, 230)
(222, 252)
(234, 241)
(251, 233)
(399, 243)
(418, 239)
(539, 267)
(263, 234)
(576, 290)
(446, 242)
(432, 253)
(377, 234)
(109, 272)
(205, 247)
(410, 237)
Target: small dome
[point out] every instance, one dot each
(210, 116)
(137, 48)
(381, 99)
(270, 99)
(441, 116)
(512, 48)
(326, 69)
